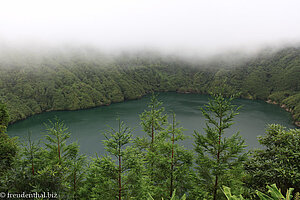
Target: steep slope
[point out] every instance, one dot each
(31, 85)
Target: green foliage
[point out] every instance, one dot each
(229, 196)
(153, 120)
(124, 180)
(173, 197)
(8, 154)
(117, 139)
(219, 159)
(101, 180)
(272, 190)
(31, 163)
(76, 175)
(278, 162)
(59, 165)
(73, 82)
(56, 137)
(297, 196)
(168, 164)
(55, 167)
(293, 103)
(8, 150)
(181, 159)
(4, 117)
(157, 165)
(275, 194)
(278, 97)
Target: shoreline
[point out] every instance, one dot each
(269, 101)
(283, 106)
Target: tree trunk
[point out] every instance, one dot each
(152, 132)
(58, 148)
(74, 185)
(120, 180)
(32, 167)
(172, 161)
(215, 188)
(218, 159)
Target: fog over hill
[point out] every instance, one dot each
(71, 79)
(185, 28)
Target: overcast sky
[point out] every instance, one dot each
(192, 25)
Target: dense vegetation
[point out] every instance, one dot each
(31, 84)
(155, 165)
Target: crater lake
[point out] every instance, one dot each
(87, 126)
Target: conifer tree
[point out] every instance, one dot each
(115, 142)
(121, 176)
(101, 179)
(168, 163)
(30, 152)
(56, 137)
(153, 122)
(153, 119)
(77, 175)
(181, 159)
(30, 161)
(8, 150)
(219, 158)
(59, 158)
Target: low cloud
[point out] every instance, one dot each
(190, 27)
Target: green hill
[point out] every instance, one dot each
(31, 84)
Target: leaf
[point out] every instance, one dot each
(149, 197)
(275, 193)
(262, 196)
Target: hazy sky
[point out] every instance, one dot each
(202, 25)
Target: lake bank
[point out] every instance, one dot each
(283, 106)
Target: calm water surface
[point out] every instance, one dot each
(88, 125)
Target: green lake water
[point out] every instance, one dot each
(88, 125)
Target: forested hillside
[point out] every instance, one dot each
(33, 84)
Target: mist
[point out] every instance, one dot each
(186, 28)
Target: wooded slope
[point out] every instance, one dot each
(30, 85)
